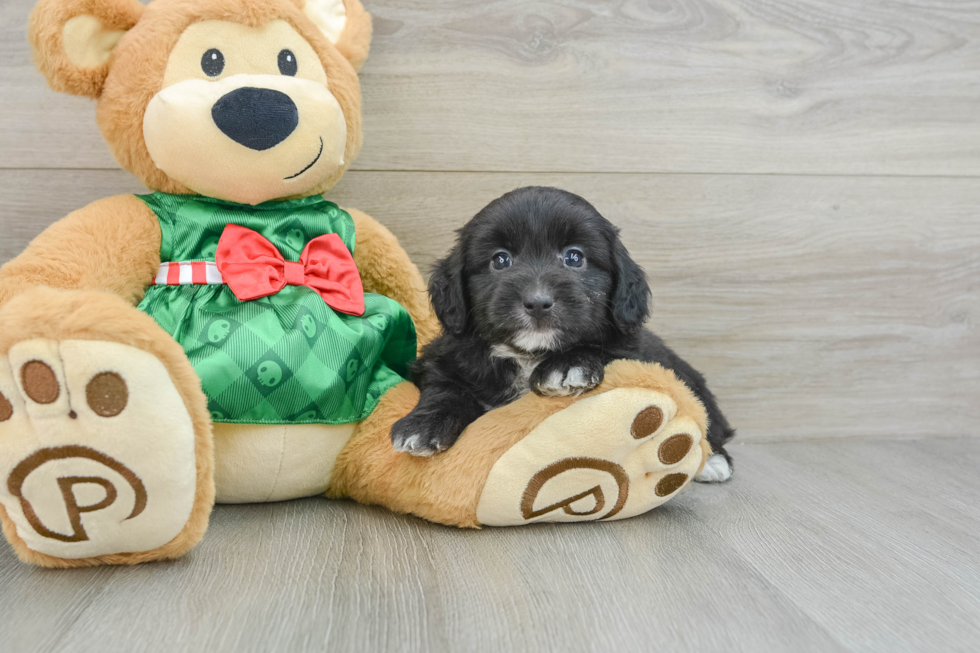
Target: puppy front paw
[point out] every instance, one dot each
(422, 435)
(562, 377)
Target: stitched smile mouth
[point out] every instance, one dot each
(311, 162)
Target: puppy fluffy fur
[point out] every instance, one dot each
(539, 294)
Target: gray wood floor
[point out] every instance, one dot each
(814, 546)
(801, 181)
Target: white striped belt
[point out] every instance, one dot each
(187, 273)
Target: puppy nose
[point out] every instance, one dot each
(539, 305)
(258, 118)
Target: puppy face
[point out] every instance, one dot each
(539, 269)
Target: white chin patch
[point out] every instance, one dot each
(536, 340)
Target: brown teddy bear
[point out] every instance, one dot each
(233, 336)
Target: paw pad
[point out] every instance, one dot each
(107, 394)
(674, 448)
(40, 382)
(670, 484)
(647, 421)
(6, 410)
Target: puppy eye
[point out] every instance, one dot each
(213, 62)
(500, 260)
(574, 258)
(287, 63)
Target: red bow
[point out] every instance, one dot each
(253, 267)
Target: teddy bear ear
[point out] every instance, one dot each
(73, 39)
(346, 24)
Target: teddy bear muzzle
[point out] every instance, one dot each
(246, 138)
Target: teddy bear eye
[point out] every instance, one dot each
(287, 63)
(213, 62)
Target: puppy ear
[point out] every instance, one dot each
(631, 294)
(73, 39)
(447, 292)
(345, 23)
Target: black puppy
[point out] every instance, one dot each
(538, 294)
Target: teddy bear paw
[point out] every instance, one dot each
(97, 449)
(610, 456)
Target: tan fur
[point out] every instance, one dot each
(112, 245)
(446, 488)
(45, 33)
(134, 73)
(386, 270)
(140, 60)
(88, 315)
(355, 41)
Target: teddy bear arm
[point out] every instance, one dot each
(111, 245)
(617, 451)
(387, 270)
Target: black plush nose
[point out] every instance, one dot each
(258, 118)
(538, 305)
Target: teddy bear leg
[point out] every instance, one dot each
(105, 439)
(625, 448)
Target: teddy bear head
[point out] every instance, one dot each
(242, 100)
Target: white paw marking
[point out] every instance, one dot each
(575, 378)
(553, 385)
(408, 443)
(716, 470)
(574, 382)
(413, 445)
